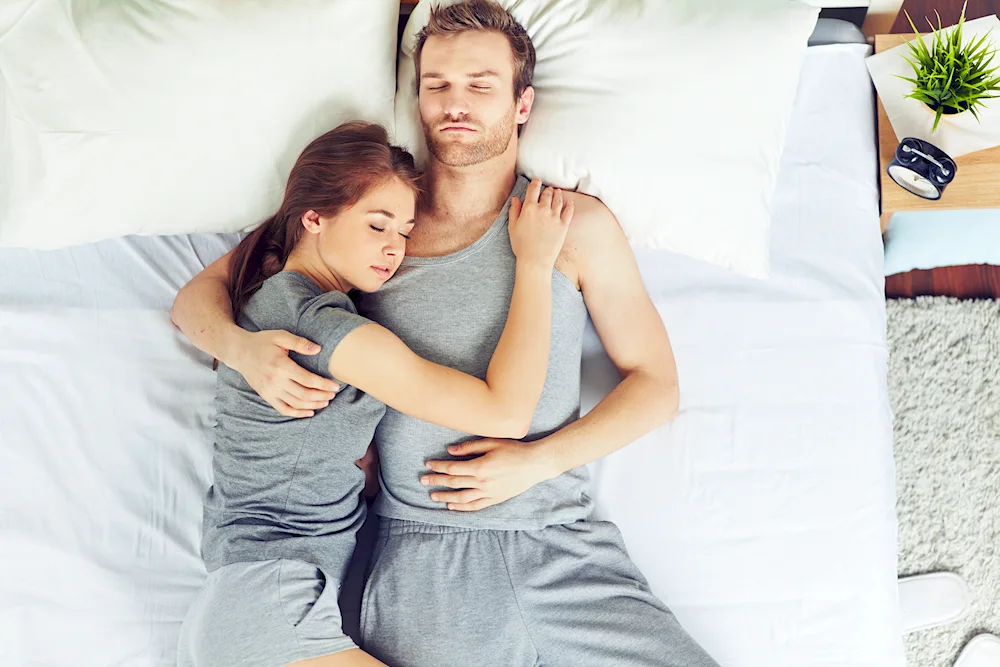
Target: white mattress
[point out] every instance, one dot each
(763, 515)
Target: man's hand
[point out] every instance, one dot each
(502, 470)
(262, 359)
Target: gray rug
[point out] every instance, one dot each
(944, 386)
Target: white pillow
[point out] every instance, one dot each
(5, 141)
(672, 112)
(171, 116)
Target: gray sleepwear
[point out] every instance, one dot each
(266, 613)
(281, 516)
(566, 595)
(531, 581)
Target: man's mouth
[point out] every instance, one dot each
(458, 128)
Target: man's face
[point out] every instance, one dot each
(467, 105)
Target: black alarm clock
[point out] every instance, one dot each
(922, 168)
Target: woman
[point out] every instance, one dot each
(281, 517)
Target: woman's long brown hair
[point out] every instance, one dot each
(333, 173)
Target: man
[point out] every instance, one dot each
(487, 554)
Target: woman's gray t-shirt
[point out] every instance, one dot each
(287, 487)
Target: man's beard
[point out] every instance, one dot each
(492, 142)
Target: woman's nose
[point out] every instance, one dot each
(395, 246)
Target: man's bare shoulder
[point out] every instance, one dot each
(593, 237)
(594, 228)
(588, 208)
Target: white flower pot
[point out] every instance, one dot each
(956, 134)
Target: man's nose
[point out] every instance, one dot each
(456, 106)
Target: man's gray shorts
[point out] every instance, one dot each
(564, 596)
(262, 614)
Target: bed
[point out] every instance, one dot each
(775, 529)
(763, 514)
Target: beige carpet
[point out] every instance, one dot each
(944, 385)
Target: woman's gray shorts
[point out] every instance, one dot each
(263, 614)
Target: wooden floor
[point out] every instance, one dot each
(978, 281)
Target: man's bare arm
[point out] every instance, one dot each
(634, 337)
(636, 341)
(204, 313)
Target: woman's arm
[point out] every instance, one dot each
(374, 360)
(378, 363)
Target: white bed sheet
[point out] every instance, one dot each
(763, 515)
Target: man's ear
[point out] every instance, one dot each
(310, 220)
(524, 103)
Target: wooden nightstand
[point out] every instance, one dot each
(976, 185)
(975, 281)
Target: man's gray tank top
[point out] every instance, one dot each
(452, 310)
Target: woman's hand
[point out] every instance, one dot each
(504, 469)
(538, 225)
(262, 359)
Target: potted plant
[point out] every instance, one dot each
(951, 76)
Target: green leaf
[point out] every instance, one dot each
(937, 119)
(951, 73)
(915, 31)
(947, 83)
(981, 43)
(922, 98)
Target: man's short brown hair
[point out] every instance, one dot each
(482, 16)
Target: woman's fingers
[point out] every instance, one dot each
(534, 190)
(515, 209)
(545, 201)
(567, 212)
(557, 202)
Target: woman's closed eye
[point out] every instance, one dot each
(382, 229)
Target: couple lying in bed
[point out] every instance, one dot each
(486, 552)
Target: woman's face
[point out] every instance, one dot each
(365, 243)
